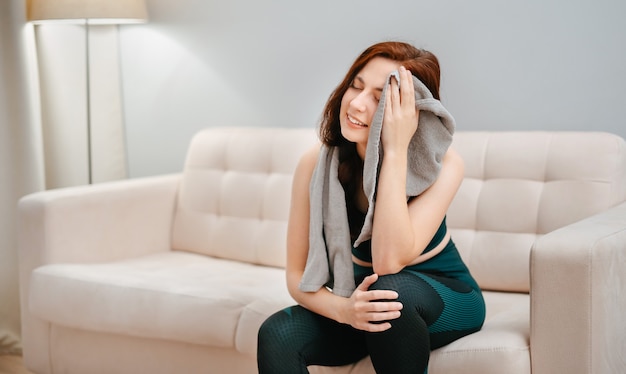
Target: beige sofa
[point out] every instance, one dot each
(174, 274)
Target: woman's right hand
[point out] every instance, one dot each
(371, 310)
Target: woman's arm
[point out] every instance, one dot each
(402, 231)
(358, 310)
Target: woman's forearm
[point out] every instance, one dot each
(393, 238)
(322, 302)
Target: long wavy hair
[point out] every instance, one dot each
(422, 64)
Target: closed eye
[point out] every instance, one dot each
(356, 86)
(359, 84)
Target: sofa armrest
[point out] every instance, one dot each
(96, 223)
(88, 224)
(578, 277)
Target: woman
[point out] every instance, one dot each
(414, 293)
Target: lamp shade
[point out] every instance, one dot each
(94, 11)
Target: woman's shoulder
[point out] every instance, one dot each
(454, 160)
(308, 160)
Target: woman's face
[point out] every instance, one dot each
(360, 101)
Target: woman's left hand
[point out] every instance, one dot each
(401, 116)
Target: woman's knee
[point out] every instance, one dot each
(276, 348)
(287, 329)
(418, 298)
(399, 282)
(273, 335)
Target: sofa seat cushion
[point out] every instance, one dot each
(504, 339)
(502, 346)
(173, 295)
(198, 299)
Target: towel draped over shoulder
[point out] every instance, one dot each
(329, 261)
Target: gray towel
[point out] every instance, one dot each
(329, 261)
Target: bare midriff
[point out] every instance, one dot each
(419, 259)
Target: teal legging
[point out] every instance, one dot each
(438, 308)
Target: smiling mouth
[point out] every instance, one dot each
(356, 122)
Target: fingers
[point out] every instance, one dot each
(367, 282)
(374, 309)
(388, 316)
(384, 308)
(407, 89)
(375, 301)
(374, 294)
(382, 317)
(401, 93)
(381, 324)
(395, 88)
(380, 295)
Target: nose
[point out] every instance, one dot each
(358, 102)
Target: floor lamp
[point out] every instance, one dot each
(101, 12)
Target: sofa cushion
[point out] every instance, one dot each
(173, 295)
(235, 192)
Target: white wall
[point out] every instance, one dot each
(526, 65)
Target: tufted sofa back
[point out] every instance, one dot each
(235, 192)
(521, 185)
